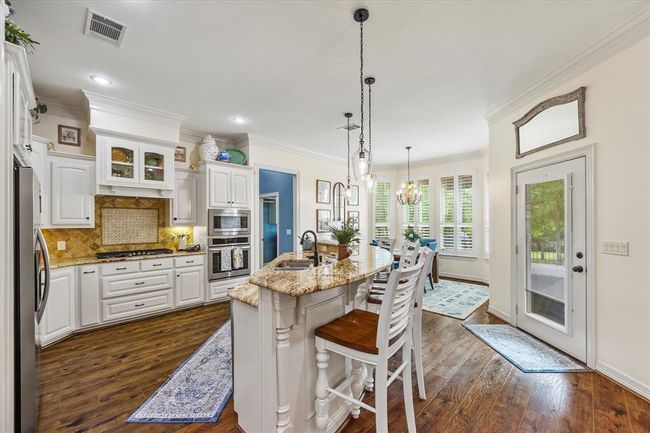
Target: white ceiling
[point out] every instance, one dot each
(292, 67)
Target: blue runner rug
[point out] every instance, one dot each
(198, 390)
(523, 350)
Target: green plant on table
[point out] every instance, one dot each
(347, 233)
(410, 234)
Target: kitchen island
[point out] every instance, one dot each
(274, 355)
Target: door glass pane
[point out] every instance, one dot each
(154, 166)
(122, 162)
(545, 225)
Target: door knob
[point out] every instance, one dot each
(578, 269)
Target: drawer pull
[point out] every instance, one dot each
(89, 272)
(189, 261)
(157, 264)
(121, 269)
(139, 283)
(139, 305)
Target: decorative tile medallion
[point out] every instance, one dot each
(129, 226)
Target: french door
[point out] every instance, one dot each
(551, 248)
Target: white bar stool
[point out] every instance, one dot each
(375, 299)
(371, 339)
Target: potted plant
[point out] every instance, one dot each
(15, 34)
(410, 234)
(345, 235)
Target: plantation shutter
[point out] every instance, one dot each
(424, 210)
(382, 210)
(447, 213)
(466, 218)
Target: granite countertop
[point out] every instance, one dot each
(61, 263)
(247, 293)
(367, 262)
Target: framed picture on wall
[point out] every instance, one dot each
(354, 196)
(180, 154)
(69, 135)
(323, 191)
(354, 216)
(323, 218)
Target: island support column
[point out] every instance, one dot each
(284, 307)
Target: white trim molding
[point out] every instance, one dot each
(195, 136)
(61, 109)
(109, 104)
(499, 313)
(259, 140)
(623, 379)
(627, 34)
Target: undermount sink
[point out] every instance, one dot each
(294, 265)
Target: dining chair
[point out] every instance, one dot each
(371, 339)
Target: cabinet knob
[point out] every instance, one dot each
(175, 219)
(87, 217)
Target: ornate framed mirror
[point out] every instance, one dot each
(555, 121)
(338, 202)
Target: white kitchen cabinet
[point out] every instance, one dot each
(41, 166)
(20, 100)
(134, 168)
(88, 295)
(59, 317)
(218, 290)
(72, 194)
(190, 285)
(184, 201)
(228, 186)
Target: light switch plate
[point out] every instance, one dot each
(617, 248)
(60, 245)
(288, 231)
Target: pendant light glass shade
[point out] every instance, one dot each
(408, 194)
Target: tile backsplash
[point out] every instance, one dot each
(147, 218)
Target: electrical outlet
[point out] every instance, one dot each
(60, 245)
(617, 248)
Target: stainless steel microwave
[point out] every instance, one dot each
(229, 222)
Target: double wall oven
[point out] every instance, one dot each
(229, 249)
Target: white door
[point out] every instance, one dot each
(239, 184)
(72, 197)
(59, 316)
(189, 285)
(89, 296)
(184, 200)
(218, 187)
(551, 262)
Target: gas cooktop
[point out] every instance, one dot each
(134, 253)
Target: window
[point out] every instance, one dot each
(419, 215)
(457, 219)
(382, 203)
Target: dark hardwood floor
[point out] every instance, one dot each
(94, 381)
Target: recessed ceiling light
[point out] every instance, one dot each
(99, 79)
(239, 120)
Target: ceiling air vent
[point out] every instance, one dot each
(353, 126)
(104, 28)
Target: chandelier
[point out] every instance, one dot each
(361, 157)
(348, 188)
(408, 194)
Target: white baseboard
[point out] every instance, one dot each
(623, 379)
(500, 314)
(465, 277)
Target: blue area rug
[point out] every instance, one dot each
(454, 298)
(523, 350)
(198, 390)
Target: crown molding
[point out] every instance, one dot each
(628, 33)
(259, 140)
(61, 109)
(195, 136)
(109, 104)
(426, 163)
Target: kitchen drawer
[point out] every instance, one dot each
(157, 264)
(132, 306)
(120, 267)
(120, 285)
(197, 260)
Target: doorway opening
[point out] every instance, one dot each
(270, 214)
(277, 210)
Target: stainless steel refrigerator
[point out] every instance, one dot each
(31, 288)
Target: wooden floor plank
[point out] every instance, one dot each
(93, 381)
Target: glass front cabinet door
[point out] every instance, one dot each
(121, 162)
(157, 165)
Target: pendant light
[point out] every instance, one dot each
(369, 178)
(408, 194)
(348, 189)
(361, 157)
